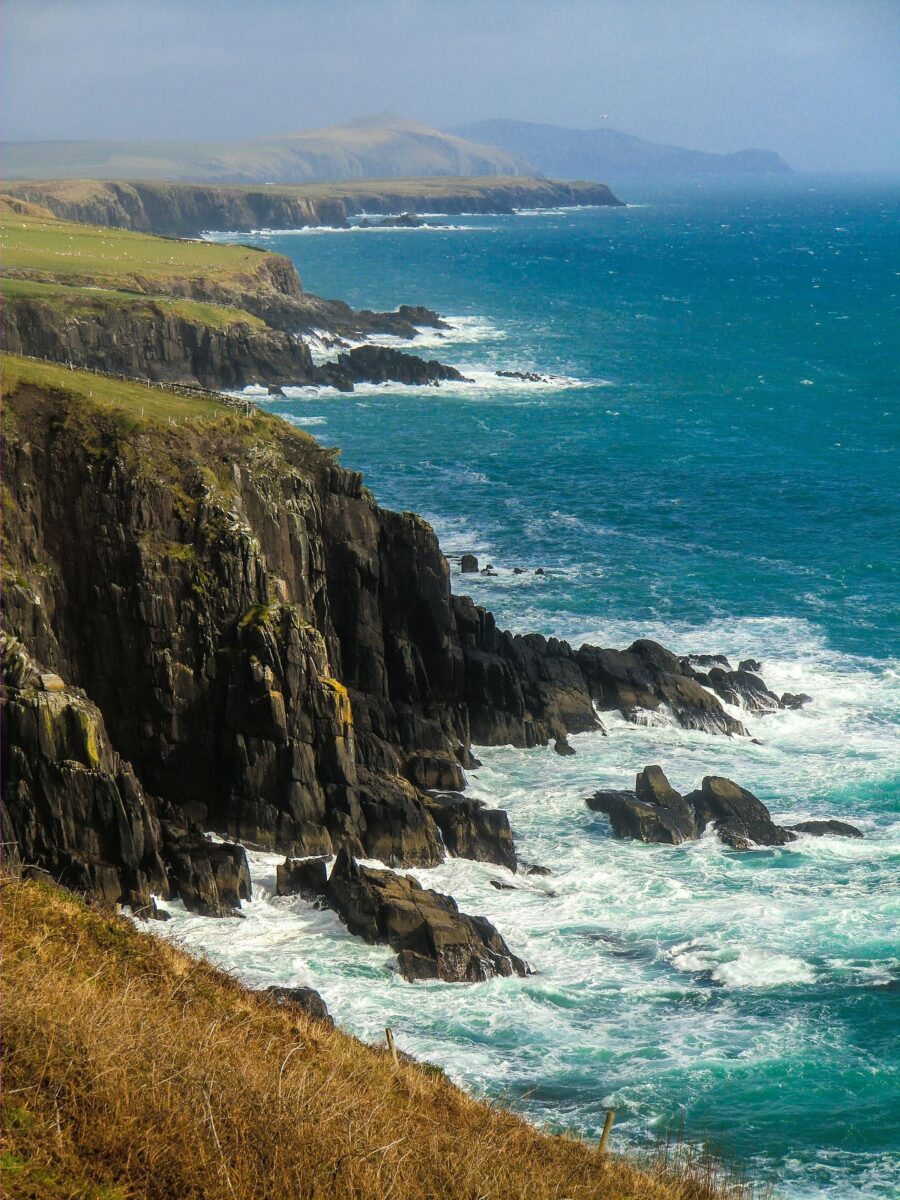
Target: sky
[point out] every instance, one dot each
(816, 80)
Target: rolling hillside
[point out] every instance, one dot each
(382, 147)
(607, 153)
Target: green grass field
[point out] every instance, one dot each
(61, 250)
(140, 401)
(76, 301)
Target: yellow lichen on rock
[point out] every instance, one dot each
(342, 698)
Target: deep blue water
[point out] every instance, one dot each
(715, 463)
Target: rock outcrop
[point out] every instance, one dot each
(212, 878)
(381, 364)
(743, 688)
(74, 808)
(656, 812)
(740, 820)
(71, 806)
(307, 877)
(305, 998)
(148, 340)
(472, 830)
(827, 828)
(432, 938)
(648, 679)
(653, 812)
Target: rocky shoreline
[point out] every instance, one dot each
(225, 632)
(214, 627)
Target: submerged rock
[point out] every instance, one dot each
(432, 938)
(792, 700)
(829, 828)
(524, 376)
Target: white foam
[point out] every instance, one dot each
(750, 967)
(266, 234)
(463, 330)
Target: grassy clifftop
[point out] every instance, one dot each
(185, 210)
(95, 301)
(135, 1072)
(45, 248)
(148, 306)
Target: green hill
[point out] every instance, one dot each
(369, 148)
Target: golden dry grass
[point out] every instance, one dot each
(135, 1072)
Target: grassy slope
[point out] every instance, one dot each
(61, 250)
(81, 190)
(385, 146)
(134, 1072)
(139, 402)
(78, 270)
(92, 301)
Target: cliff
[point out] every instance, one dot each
(274, 655)
(186, 210)
(151, 338)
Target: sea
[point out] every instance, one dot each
(710, 459)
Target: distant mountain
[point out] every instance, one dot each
(382, 147)
(606, 153)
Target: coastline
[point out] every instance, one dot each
(187, 210)
(688, 955)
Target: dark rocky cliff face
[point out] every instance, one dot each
(274, 655)
(146, 341)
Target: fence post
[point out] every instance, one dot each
(607, 1126)
(389, 1034)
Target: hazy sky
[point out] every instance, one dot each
(816, 80)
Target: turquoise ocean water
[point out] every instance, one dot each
(715, 464)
